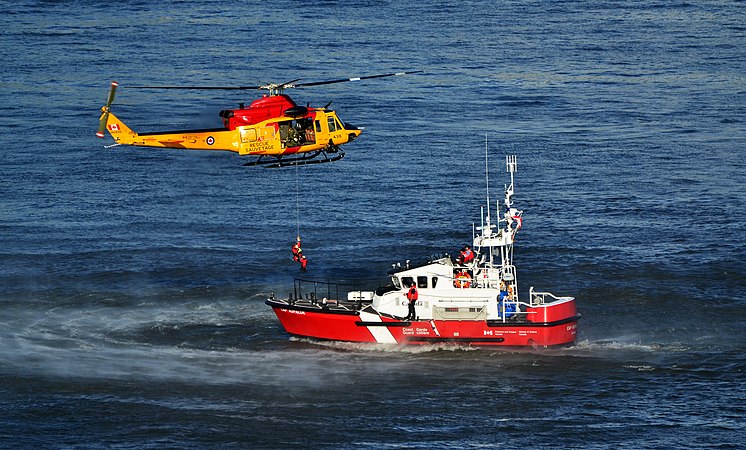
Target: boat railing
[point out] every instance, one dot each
(488, 276)
(512, 309)
(317, 291)
(540, 298)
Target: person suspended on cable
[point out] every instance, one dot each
(297, 251)
(303, 263)
(412, 296)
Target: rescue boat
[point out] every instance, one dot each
(465, 301)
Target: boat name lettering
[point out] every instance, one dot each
(418, 331)
(502, 332)
(293, 311)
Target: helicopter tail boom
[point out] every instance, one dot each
(121, 133)
(206, 139)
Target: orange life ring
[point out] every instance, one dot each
(463, 280)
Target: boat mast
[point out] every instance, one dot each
(510, 216)
(487, 174)
(487, 226)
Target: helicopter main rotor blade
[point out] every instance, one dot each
(273, 87)
(345, 80)
(289, 83)
(204, 88)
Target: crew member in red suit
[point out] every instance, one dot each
(297, 251)
(467, 255)
(303, 263)
(412, 297)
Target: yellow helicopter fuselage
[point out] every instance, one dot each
(322, 130)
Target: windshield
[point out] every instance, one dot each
(396, 282)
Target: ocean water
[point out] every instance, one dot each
(132, 281)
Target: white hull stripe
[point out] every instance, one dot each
(432, 324)
(381, 334)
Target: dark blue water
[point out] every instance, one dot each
(132, 280)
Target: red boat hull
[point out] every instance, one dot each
(362, 326)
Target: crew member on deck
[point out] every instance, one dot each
(503, 292)
(467, 255)
(412, 297)
(504, 303)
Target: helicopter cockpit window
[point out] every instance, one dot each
(339, 125)
(318, 126)
(332, 124)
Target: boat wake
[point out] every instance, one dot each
(387, 348)
(627, 344)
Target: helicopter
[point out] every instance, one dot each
(273, 128)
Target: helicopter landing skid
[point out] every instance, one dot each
(318, 157)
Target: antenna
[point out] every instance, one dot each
(487, 177)
(511, 165)
(511, 161)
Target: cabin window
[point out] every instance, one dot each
(434, 281)
(332, 124)
(422, 282)
(395, 280)
(339, 125)
(407, 281)
(267, 133)
(248, 135)
(318, 126)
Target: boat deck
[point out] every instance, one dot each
(354, 307)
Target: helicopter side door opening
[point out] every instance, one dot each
(297, 132)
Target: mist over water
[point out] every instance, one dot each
(133, 280)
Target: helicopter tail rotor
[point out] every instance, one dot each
(105, 116)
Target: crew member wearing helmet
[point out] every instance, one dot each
(297, 251)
